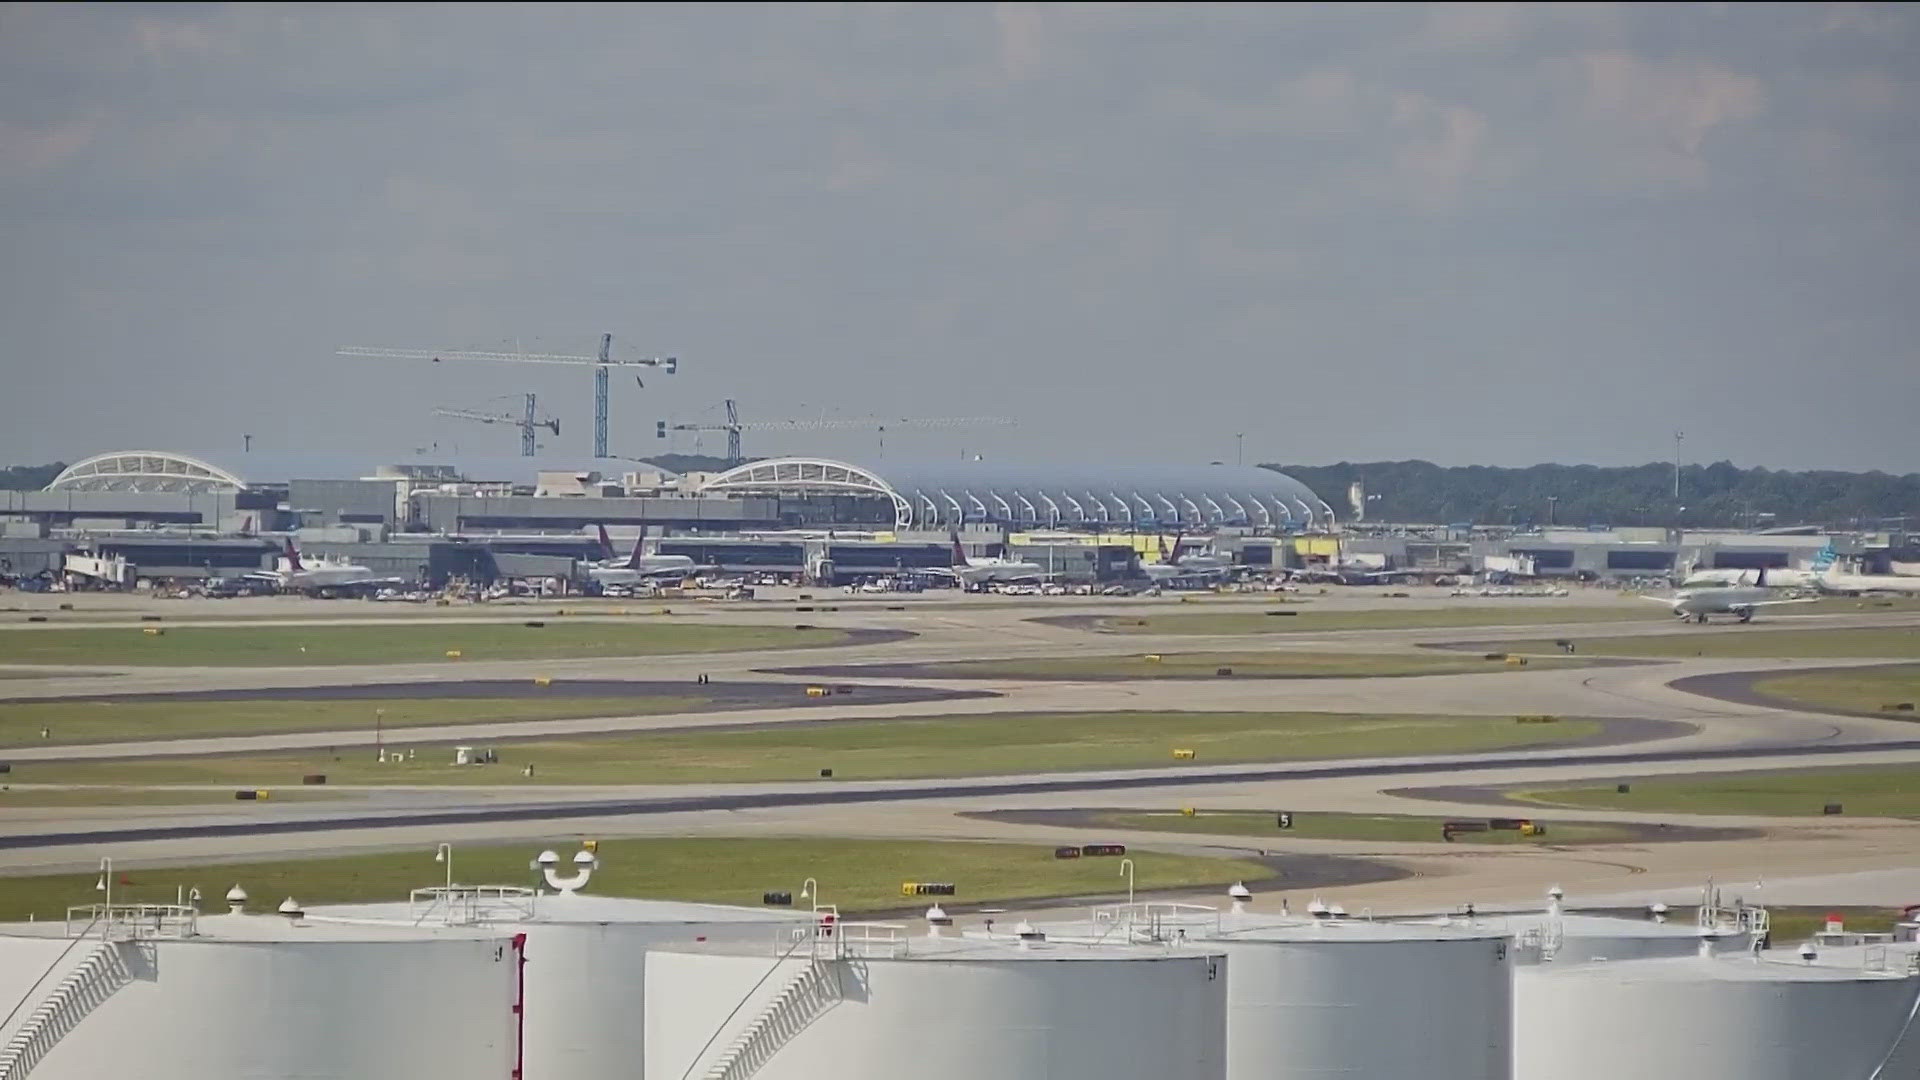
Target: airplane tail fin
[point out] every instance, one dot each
(1172, 558)
(1824, 559)
(606, 543)
(633, 560)
(293, 556)
(959, 553)
(1760, 582)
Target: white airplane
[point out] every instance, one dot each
(322, 577)
(1833, 580)
(1175, 564)
(1689, 576)
(1824, 576)
(1340, 571)
(981, 571)
(1780, 577)
(1694, 605)
(639, 568)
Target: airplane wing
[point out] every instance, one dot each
(1667, 600)
(1776, 603)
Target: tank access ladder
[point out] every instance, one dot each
(86, 986)
(813, 990)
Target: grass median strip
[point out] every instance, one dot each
(1866, 791)
(974, 745)
(858, 875)
(1268, 665)
(1335, 826)
(1870, 690)
(1260, 622)
(1735, 641)
(23, 798)
(81, 720)
(308, 645)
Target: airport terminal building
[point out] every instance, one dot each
(186, 515)
(177, 515)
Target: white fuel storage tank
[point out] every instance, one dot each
(1380, 1000)
(585, 961)
(1327, 995)
(161, 994)
(876, 1005)
(1709, 1018)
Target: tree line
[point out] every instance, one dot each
(29, 477)
(1720, 495)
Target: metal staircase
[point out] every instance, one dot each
(91, 982)
(813, 990)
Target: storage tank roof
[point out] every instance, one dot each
(1787, 968)
(560, 908)
(915, 944)
(1256, 928)
(1576, 925)
(279, 928)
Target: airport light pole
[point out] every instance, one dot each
(1239, 445)
(1551, 500)
(1677, 437)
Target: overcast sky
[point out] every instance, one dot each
(1470, 234)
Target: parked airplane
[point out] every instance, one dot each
(1689, 576)
(1738, 600)
(981, 571)
(1175, 564)
(322, 577)
(1831, 579)
(639, 568)
(1825, 575)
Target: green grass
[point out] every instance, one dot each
(1191, 665)
(30, 797)
(1259, 622)
(1857, 689)
(1733, 640)
(1865, 791)
(366, 644)
(78, 720)
(857, 875)
(862, 750)
(1788, 926)
(1392, 828)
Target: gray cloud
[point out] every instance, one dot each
(1465, 232)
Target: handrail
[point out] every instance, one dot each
(802, 1000)
(136, 921)
(465, 905)
(1913, 1011)
(37, 1036)
(1155, 917)
(28, 996)
(708, 1045)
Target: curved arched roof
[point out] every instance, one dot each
(227, 470)
(946, 494)
(146, 471)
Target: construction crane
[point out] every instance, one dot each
(528, 422)
(601, 365)
(733, 426)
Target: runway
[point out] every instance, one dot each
(1679, 731)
